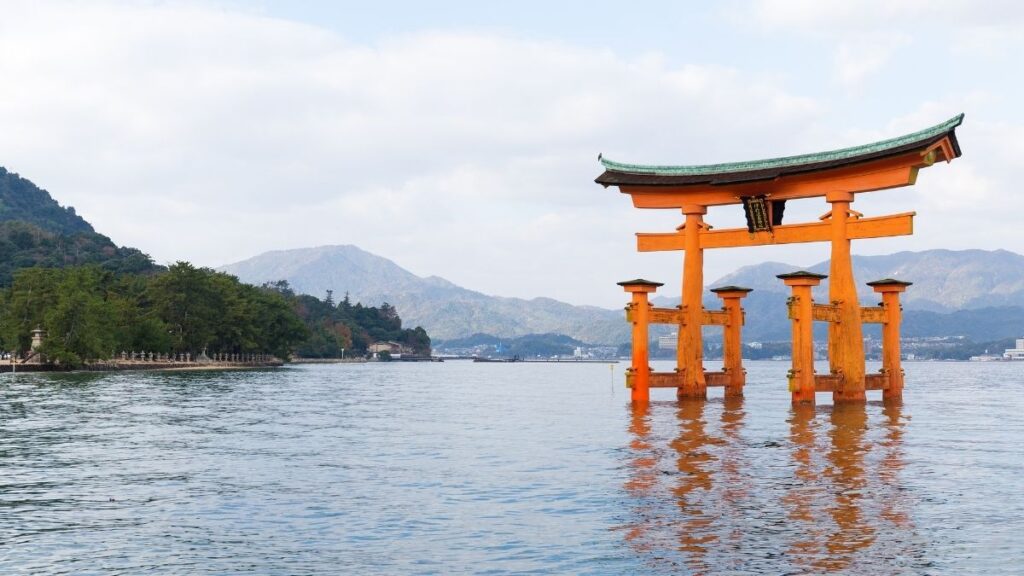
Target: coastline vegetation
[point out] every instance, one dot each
(91, 313)
(346, 329)
(96, 300)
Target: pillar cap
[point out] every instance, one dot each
(889, 282)
(640, 282)
(801, 278)
(731, 289)
(801, 274)
(889, 285)
(639, 285)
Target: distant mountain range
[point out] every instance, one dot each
(445, 310)
(976, 293)
(944, 280)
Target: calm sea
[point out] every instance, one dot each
(459, 468)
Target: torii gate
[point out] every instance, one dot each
(763, 187)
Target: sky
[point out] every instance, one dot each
(460, 139)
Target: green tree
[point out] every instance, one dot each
(186, 300)
(79, 325)
(34, 291)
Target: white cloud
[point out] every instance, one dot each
(858, 59)
(206, 134)
(198, 133)
(866, 36)
(813, 16)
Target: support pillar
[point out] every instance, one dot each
(732, 342)
(690, 350)
(845, 336)
(801, 313)
(638, 377)
(890, 290)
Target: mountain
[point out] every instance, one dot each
(974, 293)
(37, 231)
(23, 201)
(444, 309)
(944, 280)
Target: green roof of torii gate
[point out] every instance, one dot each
(621, 173)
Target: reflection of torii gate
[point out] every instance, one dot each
(763, 187)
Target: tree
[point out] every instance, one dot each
(79, 325)
(32, 293)
(91, 312)
(186, 300)
(418, 341)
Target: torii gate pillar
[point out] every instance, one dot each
(690, 349)
(846, 336)
(638, 376)
(732, 343)
(890, 290)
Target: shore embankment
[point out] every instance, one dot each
(132, 365)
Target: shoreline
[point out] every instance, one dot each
(138, 367)
(329, 361)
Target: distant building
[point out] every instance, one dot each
(1016, 353)
(669, 342)
(392, 348)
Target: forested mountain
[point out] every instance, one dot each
(36, 231)
(23, 201)
(335, 329)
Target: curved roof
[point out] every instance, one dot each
(618, 173)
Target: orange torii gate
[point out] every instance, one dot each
(763, 187)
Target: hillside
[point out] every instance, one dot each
(445, 310)
(36, 231)
(23, 201)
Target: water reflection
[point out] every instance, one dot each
(824, 498)
(828, 500)
(802, 499)
(846, 472)
(894, 509)
(696, 463)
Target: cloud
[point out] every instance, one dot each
(831, 18)
(199, 133)
(856, 60)
(865, 37)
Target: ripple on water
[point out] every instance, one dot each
(503, 468)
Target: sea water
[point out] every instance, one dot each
(456, 468)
